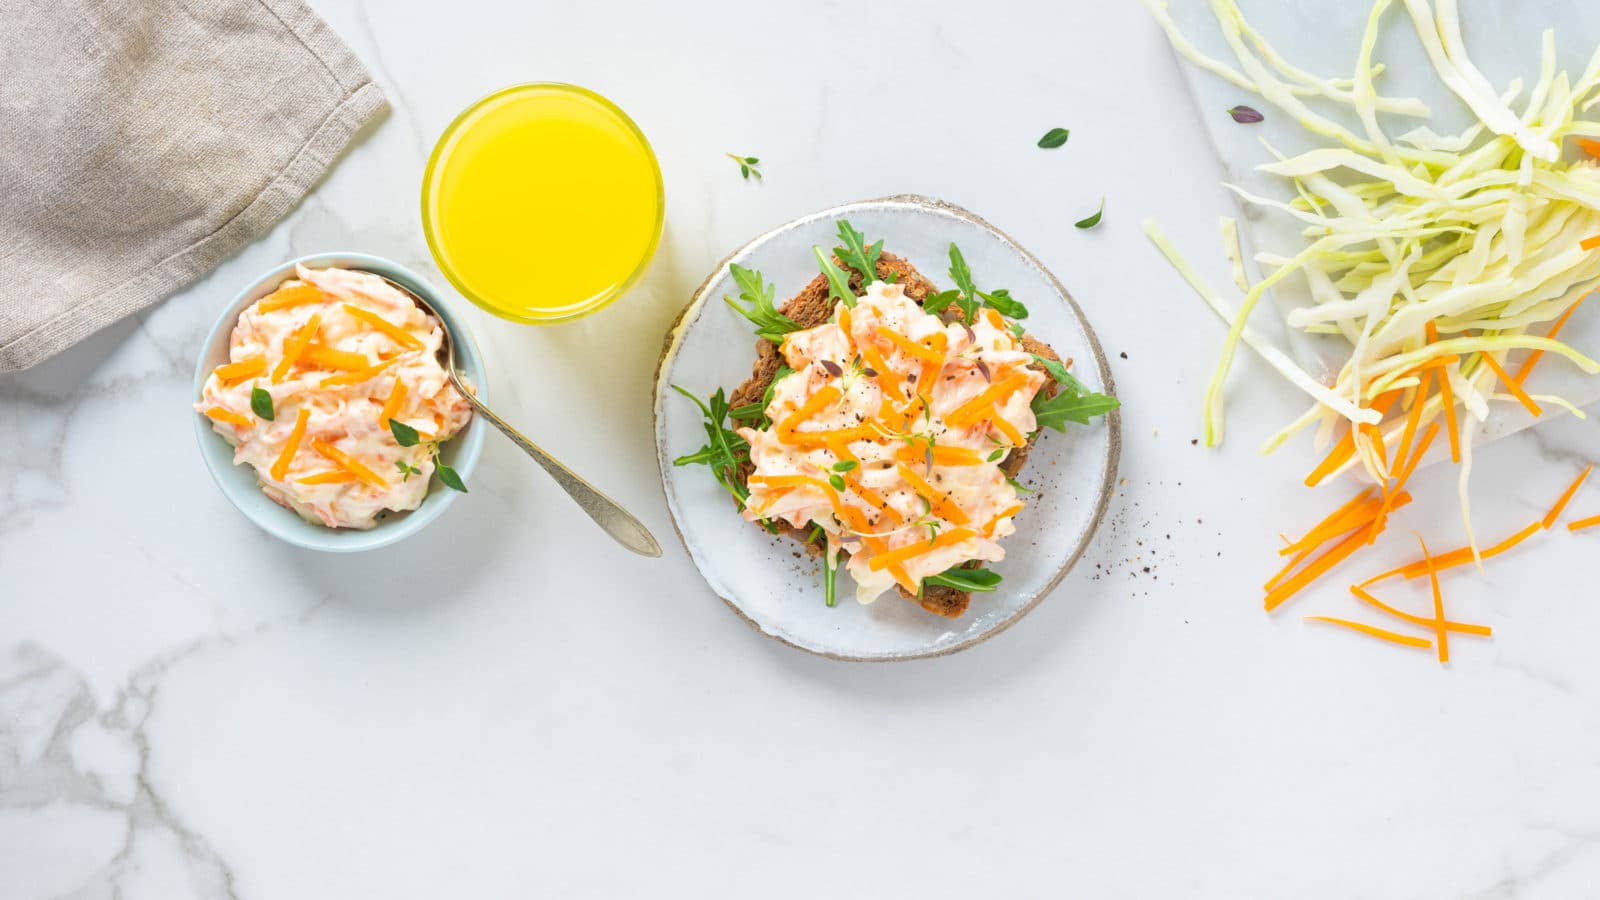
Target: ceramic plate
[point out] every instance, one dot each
(771, 581)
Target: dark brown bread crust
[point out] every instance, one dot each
(812, 307)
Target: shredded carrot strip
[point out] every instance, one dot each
(841, 448)
(1581, 524)
(1566, 497)
(1375, 436)
(888, 379)
(391, 406)
(941, 502)
(337, 476)
(911, 347)
(228, 416)
(1463, 555)
(297, 295)
(1321, 528)
(249, 367)
(1589, 243)
(1448, 396)
(1332, 557)
(978, 406)
(1438, 362)
(401, 336)
(811, 407)
(1009, 430)
(349, 463)
(1441, 633)
(1374, 631)
(988, 528)
(328, 357)
(1462, 627)
(995, 320)
(831, 436)
(1555, 329)
(280, 466)
(845, 323)
(1413, 419)
(358, 376)
(295, 345)
(1346, 447)
(911, 551)
(1591, 147)
(1364, 515)
(942, 456)
(1404, 476)
(1512, 386)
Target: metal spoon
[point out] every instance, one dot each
(606, 512)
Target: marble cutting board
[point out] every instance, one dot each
(1323, 37)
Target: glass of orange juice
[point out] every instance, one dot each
(542, 202)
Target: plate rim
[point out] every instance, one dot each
(1113, 420)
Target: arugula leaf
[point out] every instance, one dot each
(1004, 305)
(969, 301)
(962, 579)
(724, 449)
(1054, 138)
(753, 290)
(838, 282)
(1093, 220)
(939, 301)
(261, 403)
(1017, 486)
(857, 253)
(1075, 402)
(750, 412)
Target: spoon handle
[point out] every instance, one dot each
(606, 512)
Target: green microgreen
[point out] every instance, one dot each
(748, 165)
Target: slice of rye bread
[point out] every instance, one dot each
(812, 307)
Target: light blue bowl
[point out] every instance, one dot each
(238, 482)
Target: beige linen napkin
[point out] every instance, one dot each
(141, 141)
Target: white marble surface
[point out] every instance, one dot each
(510, 707)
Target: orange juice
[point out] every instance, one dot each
(542, 202)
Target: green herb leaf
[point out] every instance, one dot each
(1004, 305)
(404, 434)
(1075, 402)
(998, 454)
(830, 576)
(261, 403)
(750, 412)
(1093, 220)
(1017, 486)
(837, 482)
(857, 253)
(940, 301)
(1054, 138)
(962, 276)
(844, 465)
(838, 282)
(724, 449)
(963, 579)
(747, 165)
(1017, 330)
(754, 291)
(448, 476)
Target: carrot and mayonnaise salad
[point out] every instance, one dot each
(1449, 265)
(888, 437)
(324, 376)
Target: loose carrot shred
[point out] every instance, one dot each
(1441, 633)
(295, 345)
(1463, 555)
(1405, 474)
(1331, 518)
(1555, 329)
(911, 551)
(337, 476)
(228, 416)
(283, 298)
(1512, 386)
(1581, 524)
(391, 406)
(1462, 627)
(249, 367)
(1447, 394)
(1589, 243)
(1566, 497)
(280, 466)
(400, 335)
(1591, 147)
(1374, 631)
(349, 463)
(1332, 557)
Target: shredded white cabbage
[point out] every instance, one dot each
(1478, 233)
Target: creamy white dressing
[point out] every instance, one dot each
(342, 416)
(970, 362)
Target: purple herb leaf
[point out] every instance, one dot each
(833, 368)
(1245, 115)
(870, 373)
(972, 336)
(984, 368)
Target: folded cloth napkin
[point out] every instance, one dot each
(142, 141)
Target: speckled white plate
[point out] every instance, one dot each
(771, 581)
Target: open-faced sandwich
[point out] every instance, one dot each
(884, 422)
